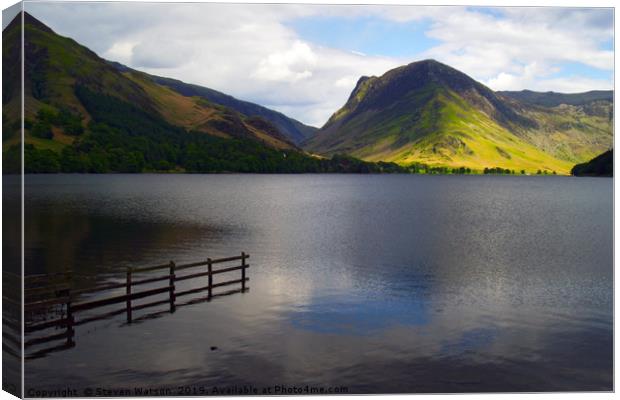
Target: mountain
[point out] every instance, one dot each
(294, 130)
(57, 68)
(427, 112)
(84, 114)
(602, 165)
(554, 99)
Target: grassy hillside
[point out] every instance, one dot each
(444, 131)
(571, 133)
(427, 112)
(197, 114)
(293, 130)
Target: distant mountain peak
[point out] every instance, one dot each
(375, 93)
(28, 19)
(428, 62)
(430, 112)
(553, 99)
(435, 71)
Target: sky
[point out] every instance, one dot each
(304, 60)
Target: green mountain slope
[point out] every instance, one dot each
(428, 112)
(56, 66)
(294, 130)
(573, 132)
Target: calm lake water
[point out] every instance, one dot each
(377, 283)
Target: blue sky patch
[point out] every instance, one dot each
(369, 35)
(495, 12)
(569, 69)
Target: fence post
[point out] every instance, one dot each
(70, 323)
(69, 281)
(70, 318)
(210, 269)
(243, 271)
(171, 284)
(128, 292)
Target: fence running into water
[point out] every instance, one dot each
(54, 296)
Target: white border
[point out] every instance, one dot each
(566, 3)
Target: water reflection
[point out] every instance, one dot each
(90, 245)
(379, 283)
(351, 316)
(49, 340)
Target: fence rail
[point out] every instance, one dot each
(62, 295)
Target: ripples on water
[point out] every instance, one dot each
(380, 283)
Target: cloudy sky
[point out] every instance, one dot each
(304, 60)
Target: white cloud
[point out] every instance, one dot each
(121, 52)
(250, 52)
(522, 48)
(156, 55)
(347, 81)
(290, 65)
(566, 84)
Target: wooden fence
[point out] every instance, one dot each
(51, 294)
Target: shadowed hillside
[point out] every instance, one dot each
(602, 165)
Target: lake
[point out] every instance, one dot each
(373, 283)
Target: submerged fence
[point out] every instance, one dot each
(53, 295)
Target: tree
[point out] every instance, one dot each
(71, 160)
(40, 161)
(42, 130)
